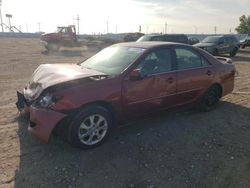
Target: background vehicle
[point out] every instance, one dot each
(245, 42)
(124, 81)
(180, 38)
(220, 45)
(193, 40)
(130, 37)
(64, 36)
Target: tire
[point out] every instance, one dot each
(90, 127)
(243, 46)
(233, 52)
(210, 100)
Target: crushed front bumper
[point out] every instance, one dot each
(43, 121)
(22, 104)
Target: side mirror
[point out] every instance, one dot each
(135, 75)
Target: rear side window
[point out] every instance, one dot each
(187, 59)
(157, 38)
(177, 38)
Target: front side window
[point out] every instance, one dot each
(213, 39)
(222, 40)
(187, 59)
(157, 61)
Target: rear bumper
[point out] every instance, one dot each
(43, 121)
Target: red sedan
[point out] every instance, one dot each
(121, 82)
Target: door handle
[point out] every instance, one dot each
(209, 73)
(170, 80)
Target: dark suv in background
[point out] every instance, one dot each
(220, 45)
(245, 42)
(179, 38)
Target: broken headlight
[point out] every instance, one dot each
(48, 100)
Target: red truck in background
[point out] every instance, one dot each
(64, 36)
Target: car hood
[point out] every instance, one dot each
(203, 44)
(47, 75)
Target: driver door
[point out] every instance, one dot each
(155, 89)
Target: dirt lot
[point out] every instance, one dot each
(173, 149)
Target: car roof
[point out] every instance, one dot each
(228, 35)
(158, 35)
(150, 44)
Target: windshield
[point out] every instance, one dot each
(113, 60)
(211, 40)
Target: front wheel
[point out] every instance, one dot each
(210, 99)
(90, 127)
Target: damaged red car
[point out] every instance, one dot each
(121, 82)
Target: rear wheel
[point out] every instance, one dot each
(90, 127)
(210, 99)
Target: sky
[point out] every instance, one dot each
(118, 16)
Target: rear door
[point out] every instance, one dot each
(157, 87)
(194, 75)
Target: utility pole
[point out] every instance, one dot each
(195, 29)
(166, 28)
(39, 24)
(78, 20)
(215, 29)
(1, 19)
(107, 26)
(27, 30)
(139, 28)
(9, 16)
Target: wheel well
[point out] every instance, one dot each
(103, 104)
(62, 127)
(219, 88)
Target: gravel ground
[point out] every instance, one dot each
(172, 149)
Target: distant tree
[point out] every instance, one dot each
(244, 26)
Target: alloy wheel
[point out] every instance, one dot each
(93, 129)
